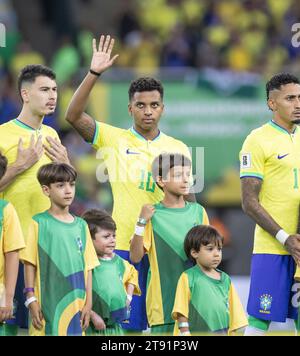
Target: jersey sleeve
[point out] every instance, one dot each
(252, 158)
(12, 232)
(30, 253)
(205, 219)
(131, 276)
(105, 135)
(90, 256)
(182, 298)
(237, 317)
(148, 236)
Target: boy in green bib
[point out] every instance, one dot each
(59, 259)
(206, 301)
(160, 233)
(114, 280)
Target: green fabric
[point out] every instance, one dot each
(163, 330)
(170, 227)
(8, 330)
(209, 305)
(259, 323)
(61, 249)
(114, 330)
(109, 295)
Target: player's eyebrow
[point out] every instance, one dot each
(48, 87)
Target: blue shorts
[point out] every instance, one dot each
(138, 317)
(272, 280)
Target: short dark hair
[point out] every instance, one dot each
(278, 80)
(3, 165)
(201, 235)
(162, 164)
(56, 173)
(145, 84)
(31, 72)
(98, 219)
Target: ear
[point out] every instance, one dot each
(130, 109)
(160, 181)
(46, 190)
(25, 95)
(194, 254)
(272, 105)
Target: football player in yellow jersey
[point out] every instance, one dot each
(270, 167)
(28, 144)
(128, 155)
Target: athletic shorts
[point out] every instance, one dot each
(271, 294)
(138, 317)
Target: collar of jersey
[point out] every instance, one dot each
(280, 128)
(24, 126)
(141, 137)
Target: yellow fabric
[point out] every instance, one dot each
(280, 193)
(130, 174)
(154, 303)
(237, 317)
(182, 301)
(25, 192)
(131, 276)
(11, 239)
(297, 274)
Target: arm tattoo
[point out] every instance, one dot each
(86, 127)
(251, 188)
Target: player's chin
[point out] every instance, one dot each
(296, 121)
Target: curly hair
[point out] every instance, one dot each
(145, 84)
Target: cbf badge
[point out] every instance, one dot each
(266, 304)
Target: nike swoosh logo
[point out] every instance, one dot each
(132, 153)
(281, 157)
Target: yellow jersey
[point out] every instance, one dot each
(11, 238)
(128, 158)
(271, 153)
(25, 192)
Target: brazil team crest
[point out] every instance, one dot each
(266, 304)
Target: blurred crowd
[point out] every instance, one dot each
(236, 35)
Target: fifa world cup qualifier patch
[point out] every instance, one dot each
(246, 161)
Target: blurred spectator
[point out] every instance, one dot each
(25, 56)
(66, 61)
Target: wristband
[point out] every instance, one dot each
(282, 236)
(28, 290)
(95, 73)
(142, 221)
(129, 297)
(183, 325)
(140, 230)
(186, 333)
(30, 301)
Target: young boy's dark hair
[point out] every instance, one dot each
(201, 235)
(31, 72)
(145, 84)
(56, 173)
(98, 219)
(162, 164)
(3, 165)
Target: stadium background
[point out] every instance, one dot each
(213, 57)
